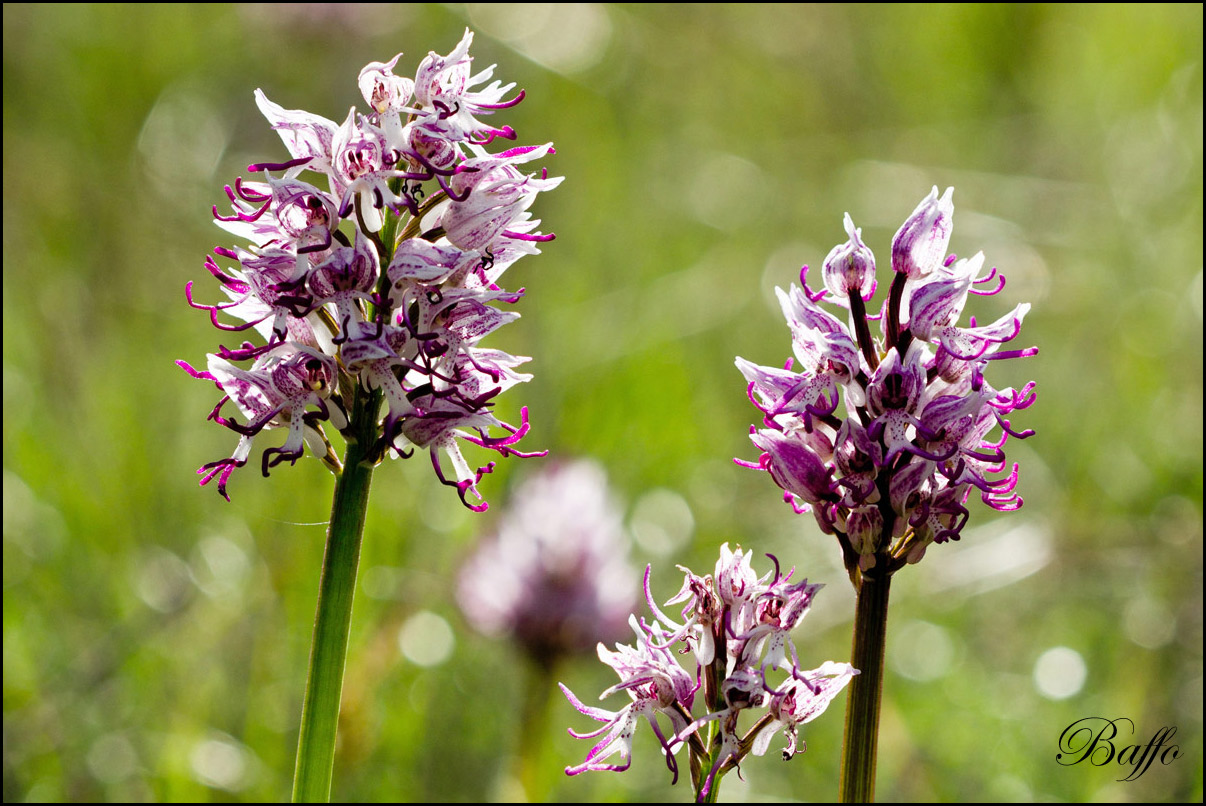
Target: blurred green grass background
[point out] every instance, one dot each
(155, 637)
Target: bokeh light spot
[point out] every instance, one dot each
(426, 639)
(1060, 673)
(112, 758)
(564, 37)
(1148, 622)
(220, 762)
(662, 521)
(163, 580)
(922, 651)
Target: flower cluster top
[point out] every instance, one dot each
(736, 627)
(891, 474)
(381, 279)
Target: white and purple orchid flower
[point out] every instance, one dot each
(737, 628)
(890, 474)
(405, 315)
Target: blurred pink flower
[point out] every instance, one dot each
(555, 576)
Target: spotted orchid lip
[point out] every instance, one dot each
(341, 307)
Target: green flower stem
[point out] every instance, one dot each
(863, 701)
(533, 730)
(713, 795)
(328, 651)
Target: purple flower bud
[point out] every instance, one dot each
(850, 267)
(920, 245)
(794, 465)
(864, 526)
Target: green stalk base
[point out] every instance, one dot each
(863, 701)
(333, 620)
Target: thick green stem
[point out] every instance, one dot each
(863, 700)
(328, 651)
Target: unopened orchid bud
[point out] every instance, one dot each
(850, 267)
(920, 244)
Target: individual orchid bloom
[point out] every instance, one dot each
(256, 292)
(657, 685)
(387, 95)
(779, 610)
(857, 459)
(801, 699)
(373, 352)
(402, 317)
(908, 416)
(419, 262)
(275, 392)
(769, 384)
(382, 90)
(440, 421)
(893, 399)
(908, 490)
(362, 169)
(498, 196)
(348, 274)
(700, 613)
(736, 582)
(796, 467)
(864, 527)
(442, 85)
(443, 75)
(828, 356)
(935, 307)
(482, 374)
(651, 662)
(305, 214)
(737, 624)
(285, 213)
(308, 137)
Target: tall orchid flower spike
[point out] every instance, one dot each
(369, 261)
(736, 628)
(884, 440)
(401, 315)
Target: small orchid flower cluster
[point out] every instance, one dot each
(737, 628)
(891, 476)
(555, 576)
(385, 280)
